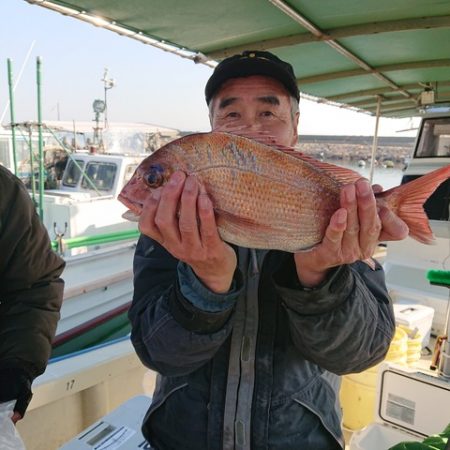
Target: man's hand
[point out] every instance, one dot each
(352, 234)
(180, 217)
(16, 417)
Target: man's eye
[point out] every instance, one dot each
(267, 113)
(233, 115)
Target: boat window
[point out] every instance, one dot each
(23, 154)
(102, 175)
(129, 171)
(434, 141)
(4, 153)
(72, 173)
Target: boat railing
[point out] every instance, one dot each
(61, 245)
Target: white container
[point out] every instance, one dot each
(405, 409)
(412, 315)
(377, 436)
(118, 430)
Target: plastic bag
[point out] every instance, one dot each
(435, 442)
(9, 436)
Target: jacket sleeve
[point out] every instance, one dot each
(31, 291)
(177, 323)
(346, 324)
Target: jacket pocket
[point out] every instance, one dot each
(321, 400)
(162, 393)
(161, 398)
(178, 416)
(305, 419)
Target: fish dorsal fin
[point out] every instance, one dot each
(340, 174)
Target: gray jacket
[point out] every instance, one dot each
(257, 367)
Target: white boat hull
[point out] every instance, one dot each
(75, 392)
(406, 266)
(95, 283)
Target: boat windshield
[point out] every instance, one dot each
(129, 171)
(72, 174)
(434, 140)
(101, 174)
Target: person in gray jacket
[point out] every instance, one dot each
(249, 344)
(31, 292)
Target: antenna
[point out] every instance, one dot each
(108, 83)
(18, 79)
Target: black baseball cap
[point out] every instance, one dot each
(252, 62)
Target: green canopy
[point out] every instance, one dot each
(355, 52)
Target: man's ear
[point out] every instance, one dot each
(211, 113)
(295, 129)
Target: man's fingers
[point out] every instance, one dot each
(369, 221)
(393, 228)
(350, 240)
(335, 230)
(146, 223)
(188, 223)
(16, 417)
(208, 227)
(376, 188)
(166, 218)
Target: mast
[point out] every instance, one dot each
(41, 142)
(11, 110)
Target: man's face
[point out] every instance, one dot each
(255, 103)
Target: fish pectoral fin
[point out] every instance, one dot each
(241, 223)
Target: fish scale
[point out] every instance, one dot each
(270, 197)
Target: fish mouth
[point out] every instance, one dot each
(135, 207)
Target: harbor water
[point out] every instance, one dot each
(386, 177)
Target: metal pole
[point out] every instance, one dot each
(41, 142)
(106, 108)
(5, 110)
(375, 140)
(11, 110)
(33, 180)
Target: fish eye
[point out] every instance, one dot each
(155, 176)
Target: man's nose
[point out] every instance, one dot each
(250, 123)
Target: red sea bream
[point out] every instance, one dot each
(269, 197)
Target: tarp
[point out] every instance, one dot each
(348, 51)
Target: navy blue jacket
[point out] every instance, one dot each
(257, 367)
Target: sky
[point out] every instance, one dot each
(151, 85)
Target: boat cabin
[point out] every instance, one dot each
(97, 174)
(408, 261)
(85, 202)
(432, 150)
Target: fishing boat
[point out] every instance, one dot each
(91, 350)
(84, 219)
(381, 59)
(407, 261)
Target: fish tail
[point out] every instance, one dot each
(407, 202)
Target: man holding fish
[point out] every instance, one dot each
(249, 343)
